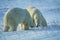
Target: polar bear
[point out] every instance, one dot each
(37, 17)
(15, 16)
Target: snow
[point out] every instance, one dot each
(45, 33)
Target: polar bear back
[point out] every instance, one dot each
(15, 14)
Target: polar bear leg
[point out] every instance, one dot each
(24, 27)
(13, 27)
(6, 28)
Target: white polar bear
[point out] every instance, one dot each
(16, 16)
(37, 17)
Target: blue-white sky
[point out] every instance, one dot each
(49, 8)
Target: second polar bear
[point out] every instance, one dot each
(37, 17)
(16, 16)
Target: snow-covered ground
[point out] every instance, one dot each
(46, 33)
(31, 35)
